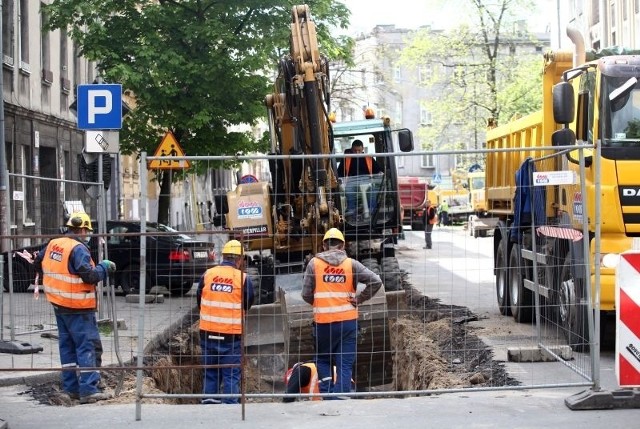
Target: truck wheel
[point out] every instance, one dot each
(502, 277)
(573, 312)
(180, 289)
(520, 297)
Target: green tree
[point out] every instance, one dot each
(195, 67)
(480, 70)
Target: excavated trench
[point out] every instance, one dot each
(430, 346)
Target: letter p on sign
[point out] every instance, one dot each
(99, 107)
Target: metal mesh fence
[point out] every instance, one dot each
(434, 326)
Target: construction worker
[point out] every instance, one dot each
(443, 215)
(352, 167)
(430, 219)
(69, 276)
(302, 378)
(330, 285)
(224, 293)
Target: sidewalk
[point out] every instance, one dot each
(502, 409)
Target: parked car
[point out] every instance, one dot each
(173, 259)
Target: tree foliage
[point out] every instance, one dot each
(196, 67)
(199, 68)
(479, 70)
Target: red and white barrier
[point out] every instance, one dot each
(628, 319)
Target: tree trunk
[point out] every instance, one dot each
(164, 199)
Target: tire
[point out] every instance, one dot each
(391, 275)
(502, 278)
(572, 311)
(130, 280)
(180, 289)
(253, 273)
(520, 298)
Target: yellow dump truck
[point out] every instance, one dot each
(481, 223)
(584, 103)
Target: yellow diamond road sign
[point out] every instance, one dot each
(168, 148)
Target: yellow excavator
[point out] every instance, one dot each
(282, 222)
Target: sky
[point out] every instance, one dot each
(411, 14)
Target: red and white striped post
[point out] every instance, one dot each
(628, 318)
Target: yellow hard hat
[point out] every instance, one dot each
(233, 247)
(333, 233)
(80, 220)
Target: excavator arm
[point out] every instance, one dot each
(299, 122)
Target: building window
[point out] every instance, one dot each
(23, 41)
(425, 72)
(65, 84)
(612, 15)
(398, 115)
(77, 66)
(425, 117)
(28, 202)
(397, 74)
(7, 32)
(45, 52)
(426, 161)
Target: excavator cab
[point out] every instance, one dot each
(369, 202)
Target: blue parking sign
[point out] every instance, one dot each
(99, 107)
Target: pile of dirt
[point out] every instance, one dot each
(434, 348)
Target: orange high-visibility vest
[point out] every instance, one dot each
(434, 219)
(347, 165)
(334, 289)
(61, 287)
(313, 386)
(221, 301)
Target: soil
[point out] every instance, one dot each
(435, 349)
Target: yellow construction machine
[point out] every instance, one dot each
(282, 222)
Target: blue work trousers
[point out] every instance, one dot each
(336, 344)
(218, 352)
(78, 338)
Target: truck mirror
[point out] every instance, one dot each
(563, 103)
(563, 137)
(405, 140)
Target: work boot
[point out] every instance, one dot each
(95, 397)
